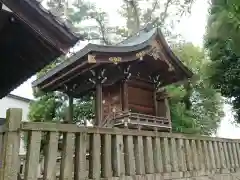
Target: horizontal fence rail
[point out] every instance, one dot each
(67, 151)
(122, 152)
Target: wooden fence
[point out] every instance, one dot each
(112, 152)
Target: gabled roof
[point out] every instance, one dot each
(129, 47)
(20, 98)
(30, 38)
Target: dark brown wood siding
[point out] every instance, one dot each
(140, 97)
(111, 99)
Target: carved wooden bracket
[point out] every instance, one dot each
(115, 60)
(162, 94)
(156, 81)
(126, 72)
(92, 58)
(156, 53)
(98, 76)
(141, 54)
(69, 89)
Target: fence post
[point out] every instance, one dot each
(11, 162)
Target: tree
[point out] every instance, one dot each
(195, 106)
(222, 42)
(189, 102)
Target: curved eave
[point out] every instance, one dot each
(173, 57)
(94, 48)
(124, 49)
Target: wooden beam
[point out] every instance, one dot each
(63, 75)
(70, 109)
(98, 104)
(155, 102)
(168, 111)
(124, 95)
(83, 90)
(117, 57)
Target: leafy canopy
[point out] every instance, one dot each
(222, 42)
(196, 107)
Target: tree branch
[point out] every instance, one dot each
(133, 5)
(164, 14)
(102, 29)
(152, 11)
(136, 13)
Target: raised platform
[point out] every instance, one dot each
(126, 119)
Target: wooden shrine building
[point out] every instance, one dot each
(30, 38)
(127, 79)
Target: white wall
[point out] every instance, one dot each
(9, 102)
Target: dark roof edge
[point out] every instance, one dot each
(20, 98)
(111, 49)
(68, 39)
(91, 48)
(172, 55)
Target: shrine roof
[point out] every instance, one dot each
(44, 22)
(31, 37)
(93, 55)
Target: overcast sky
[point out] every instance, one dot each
(192, 28)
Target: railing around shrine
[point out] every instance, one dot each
(120, 153)
(127, 117)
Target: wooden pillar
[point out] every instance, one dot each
(98, 104)
(168, 111)
(10, 155)
(70, 109)
(155, 80)
(124, 94)
(155, 103)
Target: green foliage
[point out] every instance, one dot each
(53, 107)
(47, 108)
(222, 42)
(195, 106)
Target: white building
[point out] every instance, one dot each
(14, 101)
